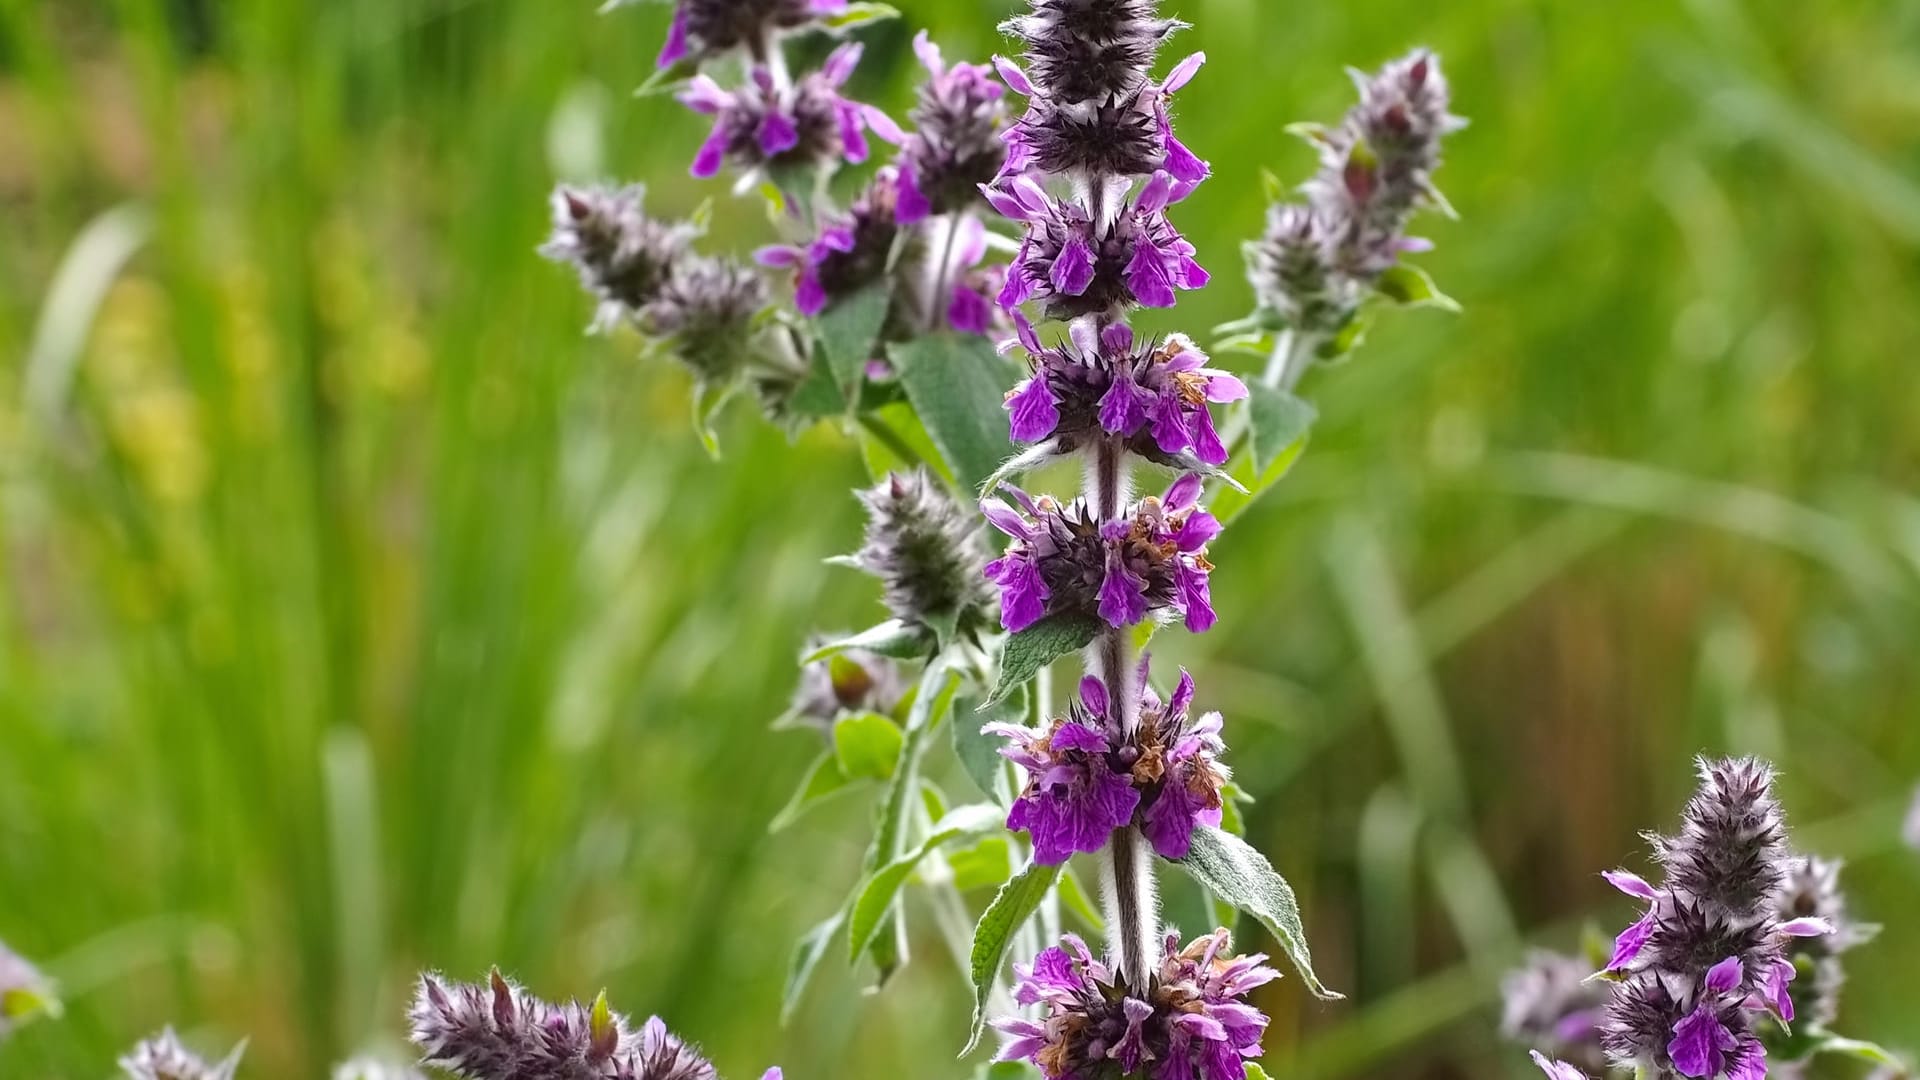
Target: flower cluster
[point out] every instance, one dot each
(853, 251)
(500, 1032)
(1705, 969)
(1812, 892)
(764, 126)
(644, 271)
(1189, 1020)
(1552, 1003)
(1151, 395)
(1079, 266)
(927, 551)
(955, 146)
(163, 1058)
(705, 29)
(1317, 261)
(1066, 560)
(1087, 777)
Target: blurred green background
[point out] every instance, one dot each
(359, 613)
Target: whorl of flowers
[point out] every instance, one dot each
(498, 1031)
(1550, 1002)
(1812, 891)
(703, 29)
(850, 681)
(1092, 107)
(1316, 261)
(766, 126)
(1065, 560)
(853, 251)
(1152, 395)
(623, 256)
(1190, 1020)
(927, 551)
(1079, 266)
(163, 1058)
(1706, 966)
(1087, 777)
(705, 312)
(955, 146)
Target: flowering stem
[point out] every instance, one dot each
(1292, 356)
(949, 225)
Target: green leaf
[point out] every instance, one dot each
(1411, 286)
(1280, 423)
(989, 862)
(1858, 1049)
(979, 753)
(1233, 871)
(891, 638)
(993, 935)
(1074, 896)
(1345, 340)
(668, 79)
(848, 330)
(957, 384)
(867, 745)
(823, 779)
(875, 896)
(1276, 188)
(806, 956)
(1232, 798)
(817, 396)
(1255, 1072)
(1037, 646)
(860, 13)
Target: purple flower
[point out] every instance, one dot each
(1064, 561)
(1812, 892)
(956, 144)
(703, 29)
(850, 253)
(1078, 765)
(1549, 1002)
(1631, 941)
(761, 126)
(1191, 1021)
(1150, 395)
(1074, 800)
(1077, 268)
(969, 297)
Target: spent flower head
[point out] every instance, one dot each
(162, 1057)
(850, 681)
(623, 256)
(1065, 560)
(705, 314)
(1191, 1021)
(955, 146)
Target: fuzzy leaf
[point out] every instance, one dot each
(823, 779)
(891, 638)
(867, 745)
(931, 700)
(817, 396)
(1255, 1072)
(1039, 645)
(1412, 287)
(1235, 872)
(1280, 421)
(1347, 339)
(1858, 1049)
(989, 862)
(979, 753)
(875, 895)
(669, 79)
(806, 956)
(848, 330)
(993, 935)
(957, 384)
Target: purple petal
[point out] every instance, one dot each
(1072, 272)
(703, 95)
(1627, 947)
(1170, 430)
(1147, 277)
(969, 313)
(1700, 1043)
(853, 134)
(1123, 595)
(1155, 195)
(1630, 883)
(706, 162)
(1011, 74)
(1029, 337)
(929, 54)
(1093, 695)
(1183, 492)
(1023, 592)
(1031, 412)
(1812, 926)
(1006, 519)
(1121, 410)
(1074, 736)
(910, 205)
(841, 62)
(1224, 388)
(1117, 339)
(1195, 597)
(1774, 987)
(772, 1074)
(675, 50)
(1183, 165)
(809, 295)
(1183, 73)
(778, 134)
(778, 256)
(1206, 440)
(1725, 975)
(1196, 532)
(1750, 1063)
(882, 125)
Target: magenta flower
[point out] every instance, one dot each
(1064, 561)
(1098, 116)
(956, 144)
(1077, 268)
(1190, 1022)
(1078, 765)
(850, 253)
(1151, 395)
(702, 29)
(761, 126)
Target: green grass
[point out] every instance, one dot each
(357, 613)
